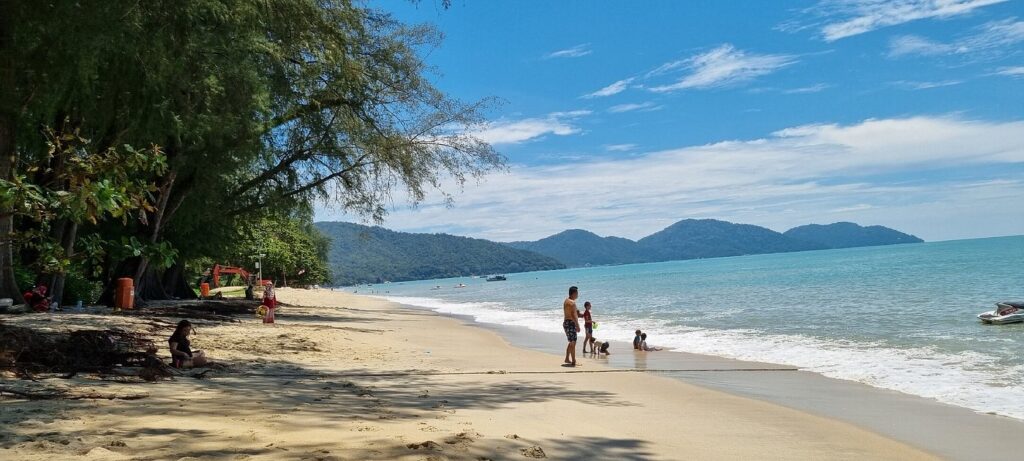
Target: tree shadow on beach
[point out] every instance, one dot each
(355, 397)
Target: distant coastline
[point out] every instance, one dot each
(371, 254)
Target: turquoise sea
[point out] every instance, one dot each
(896, 317)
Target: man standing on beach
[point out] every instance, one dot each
(571, 325)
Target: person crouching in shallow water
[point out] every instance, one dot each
(636, 341)
(571, 325)
(644, 346)
(181, 348)
(269, 300)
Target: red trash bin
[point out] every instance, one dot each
(124, 297)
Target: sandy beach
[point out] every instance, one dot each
(348, 377)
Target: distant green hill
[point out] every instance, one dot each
(576, 247)
(848, 234)
(707, 238)
(711, 238)
(364, 254)
(361, 254)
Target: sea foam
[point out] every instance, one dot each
(969, 379)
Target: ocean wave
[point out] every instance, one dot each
(968, 379)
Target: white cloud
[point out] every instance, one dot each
(1017, 71)
(905, 45)
(722, 66)
(816, 88)
(992, 39)
(614, 88)
(620, 147)
(517, 131)
(630, 107)
(912, 85)
(574, 52)
(795, 176)
(846, 18)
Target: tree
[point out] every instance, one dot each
(255, 105)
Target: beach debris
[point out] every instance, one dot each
(100, 351)
(216, 310)
(512, 436)
(533, 452)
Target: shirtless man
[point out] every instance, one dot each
(571, 325)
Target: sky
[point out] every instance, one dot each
(622, 118)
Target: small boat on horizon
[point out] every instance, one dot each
(461, 285)
(1005, 312)
(496, 278)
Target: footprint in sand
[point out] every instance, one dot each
(428, 445)
(533, 452)
(462, 440)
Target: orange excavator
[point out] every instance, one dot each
(219, 270)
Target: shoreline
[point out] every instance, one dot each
(947, 430)
(347, 377)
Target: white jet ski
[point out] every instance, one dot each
(1005, 312)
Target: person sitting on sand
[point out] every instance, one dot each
(644, 346)
(602, 347)
(181, 351)
(636, 341)
(269, 300)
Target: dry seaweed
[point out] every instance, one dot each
(28, 351)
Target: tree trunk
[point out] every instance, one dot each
(8, 154)
(147, 284)
(175, 283)
(68, 242)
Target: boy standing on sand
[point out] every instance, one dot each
(571, 325)
(588, 325)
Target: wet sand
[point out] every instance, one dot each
(946, 430)
(350, 377)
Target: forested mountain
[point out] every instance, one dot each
(710, 238)
(577, 247)
(361, 254)
(364, 254)
(848, 234)
(707, 238)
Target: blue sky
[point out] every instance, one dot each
(624, 117)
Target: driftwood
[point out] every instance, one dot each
(220, 310)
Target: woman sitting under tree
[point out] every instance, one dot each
(181, 350)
